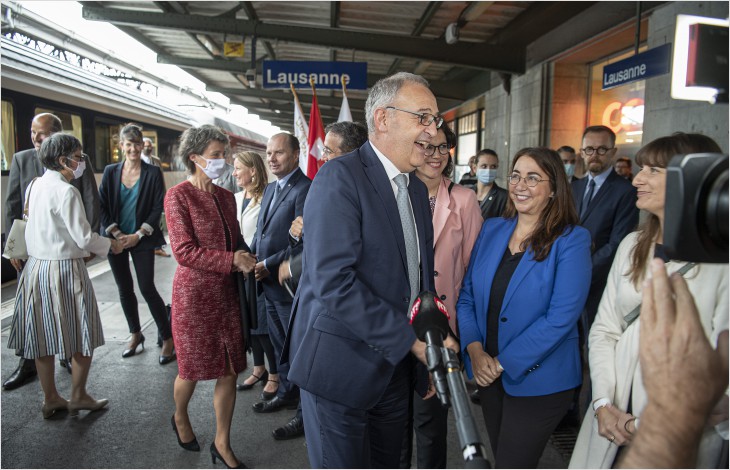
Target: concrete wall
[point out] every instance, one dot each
(514, 121)
(664, 115)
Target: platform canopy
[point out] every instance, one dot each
(389, 36)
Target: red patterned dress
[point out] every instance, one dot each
(206, 318)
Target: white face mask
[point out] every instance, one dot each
(79, 171)
(214, 167)
(569, 169)
(486, 175)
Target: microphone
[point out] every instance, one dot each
(430, 321)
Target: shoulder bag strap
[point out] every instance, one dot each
(634, 314)
(27, 198)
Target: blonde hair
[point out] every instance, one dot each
(254, 161)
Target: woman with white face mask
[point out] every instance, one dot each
(131, 197)
(55, 307)
(491, 197)
(207, 243)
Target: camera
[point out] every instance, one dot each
(251, 77)
(696, 208)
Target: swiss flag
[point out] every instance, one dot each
(315, 140)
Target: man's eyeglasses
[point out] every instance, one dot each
(425, 119)
(327, 152)
(530, 180)
(600, 150)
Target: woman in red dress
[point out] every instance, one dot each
(206, 325)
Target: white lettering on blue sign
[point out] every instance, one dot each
(302, 78)
(620, 76)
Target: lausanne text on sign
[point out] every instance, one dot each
(651, 63)
(325, 75)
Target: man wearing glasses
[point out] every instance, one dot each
(369, 252)
(606, 205)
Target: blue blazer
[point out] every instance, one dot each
(611, 215)
(150, 202)
(271, 242)
(538, 327)
(349, 326)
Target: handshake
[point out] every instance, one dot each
(243, 262)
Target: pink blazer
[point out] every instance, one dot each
(457, 221)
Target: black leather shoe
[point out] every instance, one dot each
(474, 396)
(168, 359)
(275, 404)
(294, 428)
(23, 374)
(66, 364)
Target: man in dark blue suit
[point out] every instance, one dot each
(369, 251)
(283, 201)
(606, 203)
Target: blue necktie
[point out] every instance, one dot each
(277, 190)
(409, 233)
(589, 196)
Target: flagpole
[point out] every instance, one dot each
(344, 87)
(314, 90)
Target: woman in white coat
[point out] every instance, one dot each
(618, 392)
(55, 307)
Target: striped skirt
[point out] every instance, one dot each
(55, 310)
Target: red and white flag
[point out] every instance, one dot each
(301, 132)
(316, 137)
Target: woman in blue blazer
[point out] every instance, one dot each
(518, 309)
(131, 196)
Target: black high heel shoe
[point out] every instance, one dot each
(263, 378)
(192, 446)
(214, 454)
(133, 350)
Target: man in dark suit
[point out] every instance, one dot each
(369, 251)
(24, 167)
(606, 203)
(341, 138)
(282, 202)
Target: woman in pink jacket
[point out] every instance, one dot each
(457, 221)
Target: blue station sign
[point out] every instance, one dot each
(326, 75)
(651, 63)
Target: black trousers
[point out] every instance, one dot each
(144, 267)
(428, 420)
(260, 346)
(519, 427)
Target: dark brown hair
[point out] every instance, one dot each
(559, 214)
(658, 153)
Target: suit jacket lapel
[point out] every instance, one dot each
(282, 194)
(525, 266)
(488, 266)
(600, 194)
(421, 221)
(381, 184)
(143, 176)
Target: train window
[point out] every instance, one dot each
(71, 122)
(8, 134)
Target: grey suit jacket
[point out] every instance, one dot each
(25, 166)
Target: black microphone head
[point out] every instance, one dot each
(428, 313)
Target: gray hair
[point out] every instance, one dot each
(383, 93)
(56, 146)
(195, 140)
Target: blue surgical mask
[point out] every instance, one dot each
(569, 169)
(214, 167)
(486, 175)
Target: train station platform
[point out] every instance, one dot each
(134, 430)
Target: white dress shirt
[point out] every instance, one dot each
(57, 227)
